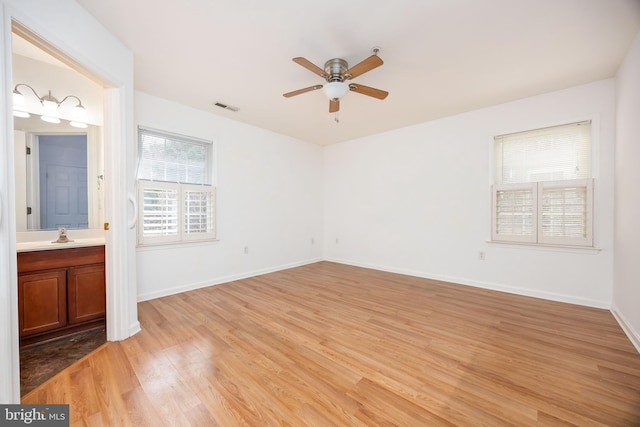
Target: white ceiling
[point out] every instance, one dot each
(442, 57)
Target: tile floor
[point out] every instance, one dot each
(41, 361)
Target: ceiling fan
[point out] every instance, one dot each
(336, 71)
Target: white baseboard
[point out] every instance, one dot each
(484, 285)
(633, 335)
(216, 281)
(134, 328)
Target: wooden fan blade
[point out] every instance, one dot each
(310, 66)
(367, 65)
(300, 91)
(334, 105)
(369, 91)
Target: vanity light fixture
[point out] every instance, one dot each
(50, 107)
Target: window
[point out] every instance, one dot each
(543, 190)
(175, 188)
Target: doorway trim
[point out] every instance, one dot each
(36, 21)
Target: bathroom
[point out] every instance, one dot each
(59, 193)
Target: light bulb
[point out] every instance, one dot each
(20, 113)
(80, 125)
(335, 90)
(50, 119)
(18, 99)
(19, 107)
(79, 113)
(50, 111)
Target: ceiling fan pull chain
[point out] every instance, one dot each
(337, 119)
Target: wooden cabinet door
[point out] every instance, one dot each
(86, 293)
(42, 301)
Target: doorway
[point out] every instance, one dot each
(60, 176)
(111, 66)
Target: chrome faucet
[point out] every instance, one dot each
(62, 236)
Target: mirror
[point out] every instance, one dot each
(59, 168)
(62, 185)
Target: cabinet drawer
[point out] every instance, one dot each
(59, 258)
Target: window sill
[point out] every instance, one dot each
(546, 247)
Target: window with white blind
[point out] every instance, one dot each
(176, 194)
(543, 189)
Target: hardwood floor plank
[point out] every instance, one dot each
(392, 408)
(141, 410)
(327, 344)
(200, 416)
(85, 400)
(109, 397)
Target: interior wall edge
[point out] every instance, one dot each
(570, 299)
(633, 335)
(134, 328)
(225, 279)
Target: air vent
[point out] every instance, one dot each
(226, 107)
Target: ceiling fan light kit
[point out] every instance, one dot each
(336, 71)
(335, 90)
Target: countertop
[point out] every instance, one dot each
(48, 245)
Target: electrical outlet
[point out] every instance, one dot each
(482, 256)
(246, 250)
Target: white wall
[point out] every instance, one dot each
(626, 284)
(269, 198)
(417, 201)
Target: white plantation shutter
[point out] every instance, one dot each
(565, 215)
(159, 211)
(176, 194)
(515, 213)
(543, 191)
(199, 210)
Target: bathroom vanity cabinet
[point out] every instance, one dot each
(60, 291)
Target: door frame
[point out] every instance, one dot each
(44, 23)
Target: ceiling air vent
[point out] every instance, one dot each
(226, 107)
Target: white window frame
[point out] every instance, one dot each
(537, 190)
(181, 189)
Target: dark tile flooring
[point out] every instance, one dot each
(41, 361)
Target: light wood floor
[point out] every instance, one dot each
(332, 345)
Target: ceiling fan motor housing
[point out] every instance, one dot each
(335, 69)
